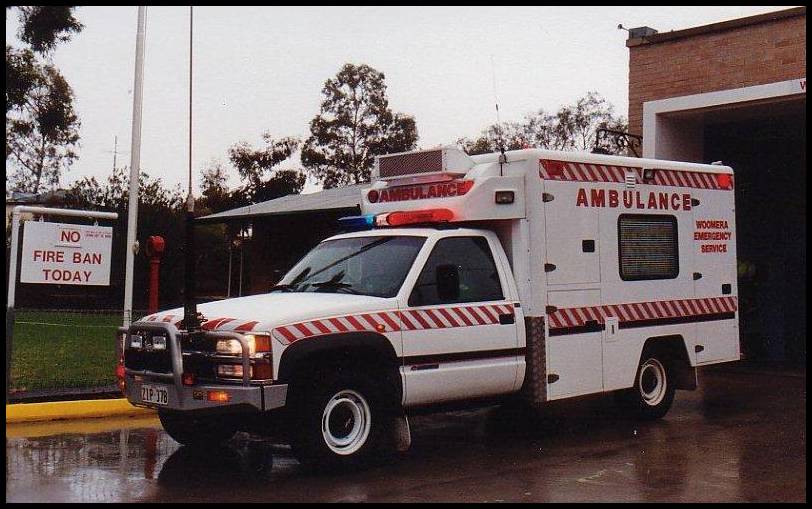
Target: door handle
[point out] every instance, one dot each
(507, 319)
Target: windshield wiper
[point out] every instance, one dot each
(282, 287)
(338, 285)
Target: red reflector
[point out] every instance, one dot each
(262, 371)
(188, 379)
(219, 396)
(120, 371)
(724, 180)
(419, 216)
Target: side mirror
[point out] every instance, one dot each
(448, 283)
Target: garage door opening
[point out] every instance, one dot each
(766, 146)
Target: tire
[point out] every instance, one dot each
(341, 420)
(197, 431)
(653, 391)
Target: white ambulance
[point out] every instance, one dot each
(531, 274)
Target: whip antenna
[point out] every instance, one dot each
(499, 135)
(190, 317)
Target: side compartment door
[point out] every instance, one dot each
(714, 266)
(572, 246)
(459, 330)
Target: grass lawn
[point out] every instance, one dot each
(62, 349)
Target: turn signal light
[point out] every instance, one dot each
(218, 396)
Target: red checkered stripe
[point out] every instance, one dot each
(395, 320)
(230, 324)
(640, 311)
(568, 170)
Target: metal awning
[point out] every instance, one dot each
(334, 200)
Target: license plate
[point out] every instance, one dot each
(156, 394)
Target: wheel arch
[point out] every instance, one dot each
(352, 348)
(674, 347)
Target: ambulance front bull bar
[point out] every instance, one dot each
(195, 397)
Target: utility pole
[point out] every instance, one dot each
(135, 166)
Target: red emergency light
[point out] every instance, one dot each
(724, 180)
(414, 217)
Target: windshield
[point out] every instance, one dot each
(374, 266)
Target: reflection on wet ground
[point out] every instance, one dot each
(740, 437)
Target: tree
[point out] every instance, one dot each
(41, 124)
(43, 26)
(354, 125)
(256, 168)
(572, 127)
(42, 131)
(214, 188)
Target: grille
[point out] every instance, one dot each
(430, 161)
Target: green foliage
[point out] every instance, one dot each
(42, 132)
(354, 125)
(572, 127)
(43, 26)
(42, 128)
(256, 168)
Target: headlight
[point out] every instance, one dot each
(159, 342)
(255, 344)
(136, 342)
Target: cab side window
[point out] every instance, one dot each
(459, 269)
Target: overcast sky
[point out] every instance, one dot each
(262, 68)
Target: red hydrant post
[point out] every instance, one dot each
(155, 248)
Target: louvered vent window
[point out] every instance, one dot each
(648, 247)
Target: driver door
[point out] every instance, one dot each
(458, 328)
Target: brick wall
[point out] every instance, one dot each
(766, 52)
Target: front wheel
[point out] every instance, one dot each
(340, 421)
(195, 431)
(653, 391)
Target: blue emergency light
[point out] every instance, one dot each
(365, 222)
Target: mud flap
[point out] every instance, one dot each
(401, 433)
(685, 377)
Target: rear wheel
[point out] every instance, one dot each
(653, 391)
(340, 421)
(194, 431)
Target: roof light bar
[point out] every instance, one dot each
(414, 217)
(399, 218)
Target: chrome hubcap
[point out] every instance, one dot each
(652, 382)
(346, 422)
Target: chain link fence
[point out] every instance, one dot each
(63, 353)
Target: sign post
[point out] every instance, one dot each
(56, 253)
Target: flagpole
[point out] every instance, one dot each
(135, 166)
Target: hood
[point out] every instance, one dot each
(267, 311)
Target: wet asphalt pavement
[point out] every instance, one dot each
(740, 437)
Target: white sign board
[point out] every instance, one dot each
(68, 254)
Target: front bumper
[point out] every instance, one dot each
(179, 397)
(259, 398)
